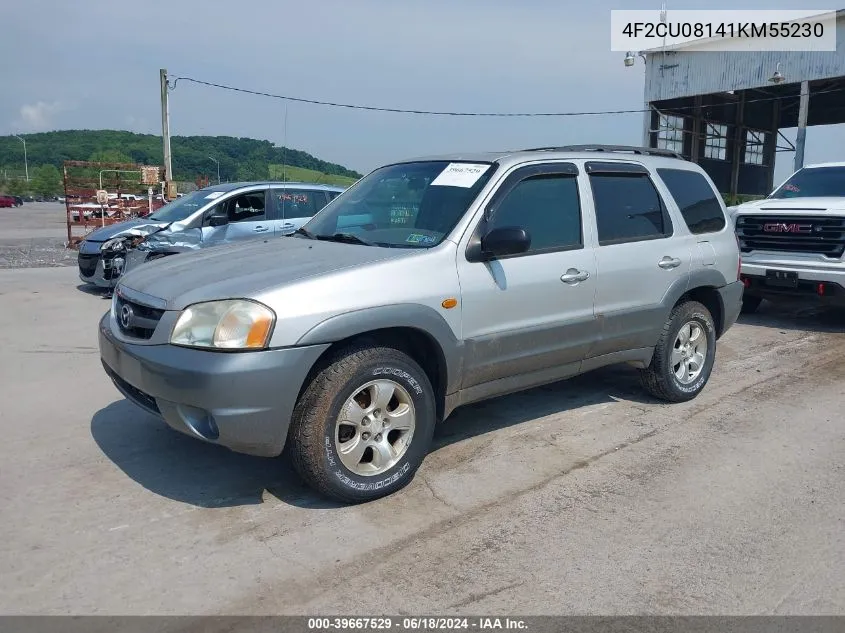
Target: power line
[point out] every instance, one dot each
(351, 106)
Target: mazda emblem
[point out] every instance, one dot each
(126, 316)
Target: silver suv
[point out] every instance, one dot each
(430, 284)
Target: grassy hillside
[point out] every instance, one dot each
(300, 174)
(240, 158)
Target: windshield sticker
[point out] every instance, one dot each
(214, 194)
(417, 238)
(460, 175)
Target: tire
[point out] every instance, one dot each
(750, 304)
(316, 434)
(660, 378)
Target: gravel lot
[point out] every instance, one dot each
(581, 497)
(34, 236)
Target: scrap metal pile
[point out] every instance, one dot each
(98, 194)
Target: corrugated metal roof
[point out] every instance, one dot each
(680, 73)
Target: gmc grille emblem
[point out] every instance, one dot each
(780, 227)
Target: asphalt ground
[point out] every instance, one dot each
(582, 497)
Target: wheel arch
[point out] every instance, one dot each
(702, 286)
(418, 331)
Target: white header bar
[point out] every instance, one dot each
(723, 30)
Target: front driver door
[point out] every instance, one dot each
(246, 218)
(529, 317)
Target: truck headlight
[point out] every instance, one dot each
(114, 244)
(229, 324)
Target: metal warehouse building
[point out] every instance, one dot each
(725, 110)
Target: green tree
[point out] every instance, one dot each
(16, 187)
(110, 156)
(47, 181)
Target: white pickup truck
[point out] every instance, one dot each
(792, 242)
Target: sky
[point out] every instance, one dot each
(94, 64)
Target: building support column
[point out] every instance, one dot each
(800, 141)
(736, 149)
(695, 145)
(771, 148)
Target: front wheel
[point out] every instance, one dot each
(684, 355)
(363, 425)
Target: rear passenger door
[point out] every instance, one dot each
(294, 207)
(701, 208)
(640, 255)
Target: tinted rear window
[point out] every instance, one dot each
(628, 208)
(695, 198)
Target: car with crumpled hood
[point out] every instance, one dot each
(212, 216)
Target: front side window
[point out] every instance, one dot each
(696, 199)
(246, 207)
(409, 205)
(813, 182)
(547, 207)
(628, 208)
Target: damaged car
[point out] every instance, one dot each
(214, 215)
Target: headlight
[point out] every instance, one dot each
(230, 324)
(115, 244)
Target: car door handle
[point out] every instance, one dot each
(669, 262)
(573, 276)
(261, 228)
(287, 225)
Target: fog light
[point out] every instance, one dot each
(118, 263)
(200, 422)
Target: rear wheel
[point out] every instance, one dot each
(363, 425)
(684, 355)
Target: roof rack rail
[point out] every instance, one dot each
(650, 151)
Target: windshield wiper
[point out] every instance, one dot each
(305, 232)
(349, 238)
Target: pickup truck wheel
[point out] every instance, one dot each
(684, 355)
(750, 304)
(363, 425)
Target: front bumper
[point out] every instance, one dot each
(107, 271)
(811, 275)
(240, 400)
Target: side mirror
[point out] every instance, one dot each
(218, 220)
(506, 240)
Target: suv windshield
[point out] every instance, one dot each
(813, 182)
(410, 205)
(181, 208)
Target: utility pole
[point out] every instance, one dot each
(25, 163)
(218, 168)
(165, 133)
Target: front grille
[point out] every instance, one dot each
(87, 264)
(818, 235)
(141, 398)
(136, 319)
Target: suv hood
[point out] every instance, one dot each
(819, 206)
(140, 227)
(245, 269)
